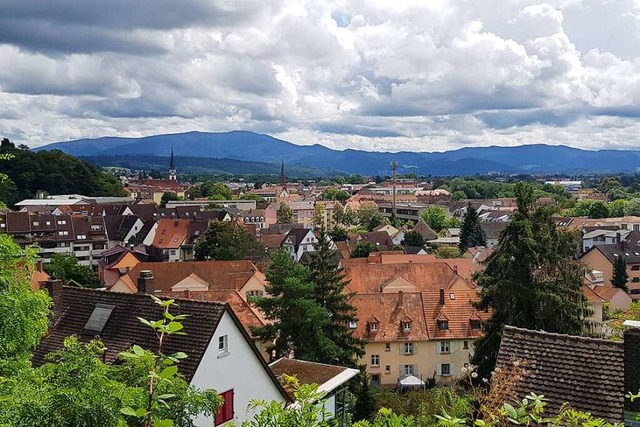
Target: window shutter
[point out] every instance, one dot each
(438, 348)
(439, 368)
(229, 406)
(451, 346)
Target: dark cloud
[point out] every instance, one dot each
(509, 119)
(357, 130)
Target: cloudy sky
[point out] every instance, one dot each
(425, 75)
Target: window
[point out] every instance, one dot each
(474, 323)
(48, 222)
(406, 326)
(373, 327)
(225, 411)
(387, 369)
(408, 370)
(375, 360)
(408, 348)
(443, 325)
(635, 279)
(223, 345)
(353, 324)
(445, 347)
(445, 369)
(36, 223)
(387, 347)
(255, 293)
(465, 345)
(63, 233)
(635, 267)
(62, 222)
(375, 379)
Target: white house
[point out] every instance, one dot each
(221, 354)
(298, 241)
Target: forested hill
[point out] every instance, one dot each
(52, 171)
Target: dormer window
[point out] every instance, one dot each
(353, 324)
(474, 324)
(443, 325)
(373, 327)
(406, 326)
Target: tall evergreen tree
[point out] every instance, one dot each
(620, 276)
(471, 233)
(297, 320)
(530, 281)
(330, 283)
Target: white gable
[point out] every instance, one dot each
(192, 282)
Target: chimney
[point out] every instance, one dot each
(632, 364)
(40, 266)
(455, 268)
(441, 302)
(55, 290)
(400, 298)
(144, 280)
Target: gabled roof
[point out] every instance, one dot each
(123, 329)
(458, 310)
(171, 233)
(229, 275)
(297, 235)
(378, 238)
(273, 241)
(425, 231)
(118, 226)
(587, 373)
(631, 253)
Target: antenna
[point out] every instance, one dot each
(394, 169)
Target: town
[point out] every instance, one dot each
(426, 290)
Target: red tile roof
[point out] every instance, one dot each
(171, 233)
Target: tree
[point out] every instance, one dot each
(529, 280)
(435, 217)
(284, 214)
(366, 212)
(168, 196)
(261, 202)
(364, 406)
(620, 276)
(617, 208)
(339, 234)
(226, 240)
(65, 267)
(446, 252)
(471, 233)
(318, 215)
(219, 191)
(24, 313)
(376, 220)
(363, 249)
(335, 194)
(598, 209)
(330, 281)
(296, 319)
(632, 207)
(413, 238)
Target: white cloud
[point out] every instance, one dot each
(385, 75)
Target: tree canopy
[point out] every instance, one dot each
(435, 217)
(226, 240)
(471, 233)
(66, 268)
(284, 214)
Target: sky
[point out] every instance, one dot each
(379, 75)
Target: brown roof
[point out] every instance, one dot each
(587, 373)
(591, 295)
(228, 275)
(273, 241)
(171, 233)
(123, 329)
(306, 372)
(607, 292)
(457, 310)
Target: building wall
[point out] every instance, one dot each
(239, 370)
(596, 261)
(426, 360)
(253, 284)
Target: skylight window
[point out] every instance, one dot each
(98, 319)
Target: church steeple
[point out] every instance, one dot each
(173, 176)
(283, 177)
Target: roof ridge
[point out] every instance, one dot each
(308, 361)
(563, 336)
(139, 295)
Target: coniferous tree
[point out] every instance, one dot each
(329, 282)
(530, 281)
(471, 233)
(620, 276)
(297, 320)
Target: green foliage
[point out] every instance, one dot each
(369, 216)
(65, 267)
(632, 207)
(226, 240)
(617, 208)
(339, 234)
(620, 276)
(413, 238)
(261, 202)
(435, 217)
(24, 313)
(363, 249)
(446, 251)
(210, 190)
(55, 173)
(529, 280)
(364, 406)
(335, 194)
(471, 233)
(305, 413)
(340, 347)
(618, 317)
(284, 214)
(168, 196)
(296, 320)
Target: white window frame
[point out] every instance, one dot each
(409, 349)
(223, 345)
(375, 360)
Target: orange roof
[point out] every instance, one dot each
(463, 266)
(369, 278)
(219, 275)
(171, 233)
(457, 310)
(591, 295)
(607, 292)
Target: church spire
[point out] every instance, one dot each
(173, 176)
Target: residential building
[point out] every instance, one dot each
(589, 374)
(222, 356)
(602, 257)
(331, 380)
(117, 261)
(298, 241)
(170, 235)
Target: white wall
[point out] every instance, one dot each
(239, 370)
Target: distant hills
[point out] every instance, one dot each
(192, 148)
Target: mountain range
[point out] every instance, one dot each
(253, 147)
